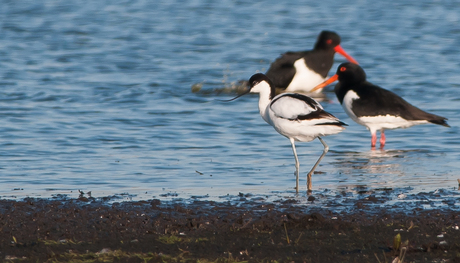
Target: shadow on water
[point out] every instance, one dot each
(240, 87)
(377, 167)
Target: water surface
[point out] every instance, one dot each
(97, 96)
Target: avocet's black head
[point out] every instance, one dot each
(327, 40)
(259, 78)
(350, 73)
(254, 86)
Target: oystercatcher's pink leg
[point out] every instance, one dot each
(382, 138)
(374, 139)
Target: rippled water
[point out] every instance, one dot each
(98, 96)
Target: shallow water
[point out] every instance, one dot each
(98, 96)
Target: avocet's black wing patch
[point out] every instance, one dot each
(293, 106)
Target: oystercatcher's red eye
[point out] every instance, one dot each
(329, 41)
(342, 69)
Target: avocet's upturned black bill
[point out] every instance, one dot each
(375, 107)
(296, 116)
(303, 70)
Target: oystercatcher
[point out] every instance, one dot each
(375, 107)
(303, 70)
(296, 116)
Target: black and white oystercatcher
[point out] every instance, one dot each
(296, 116)
(375, 107)
(303, 70)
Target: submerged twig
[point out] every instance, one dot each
(297, 241)
(287, 237)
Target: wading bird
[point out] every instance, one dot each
(374, 107)
(296, 116)
(303, 70)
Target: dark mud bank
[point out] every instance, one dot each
(97, 230)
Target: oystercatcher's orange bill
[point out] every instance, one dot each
(325, 83)
(342, 52)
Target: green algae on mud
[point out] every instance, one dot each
(40, 230)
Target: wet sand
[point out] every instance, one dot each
(97, 230)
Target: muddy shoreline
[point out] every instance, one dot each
(95, 230)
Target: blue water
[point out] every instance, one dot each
(97, 96)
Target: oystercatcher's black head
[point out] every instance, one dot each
(347, 73)
(350, 73)
(327, 40)
(330, 41)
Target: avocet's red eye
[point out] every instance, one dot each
(329, 41)
(342, 69)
